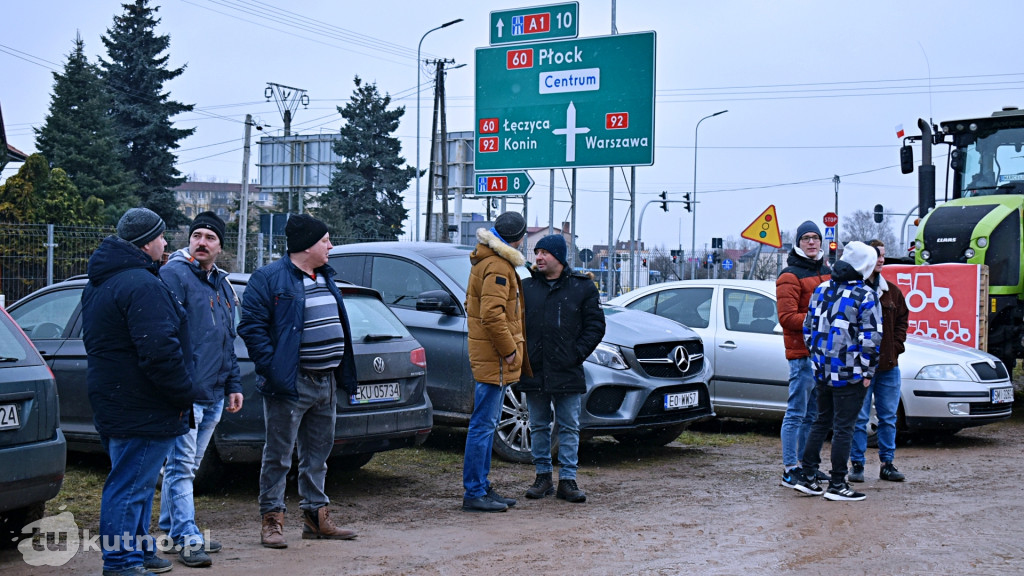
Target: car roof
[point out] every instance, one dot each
(426, 249)
(764, 285)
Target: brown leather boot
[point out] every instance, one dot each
(272, 532)
(318, 526)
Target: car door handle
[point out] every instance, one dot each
(727, 344)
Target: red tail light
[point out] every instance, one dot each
(419, 357)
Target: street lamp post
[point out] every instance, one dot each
(693, 211)
(418, 47)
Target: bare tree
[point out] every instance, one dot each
(860, 225)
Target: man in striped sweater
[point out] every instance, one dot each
(297, 331)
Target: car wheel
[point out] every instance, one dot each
(653, 436)
(512, 437)
(12, 521)
(350, 461)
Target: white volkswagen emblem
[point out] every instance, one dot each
(681, 358)
(378, 364)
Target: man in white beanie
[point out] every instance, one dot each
(843, 331)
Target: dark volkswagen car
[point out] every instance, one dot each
(32, 446)
(391, 409)
(645, 382)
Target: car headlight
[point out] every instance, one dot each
(608, 355)
(943, 372)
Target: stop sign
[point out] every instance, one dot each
(831, 219)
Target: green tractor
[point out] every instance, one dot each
(980, 221)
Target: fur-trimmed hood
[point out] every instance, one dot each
(486, 238)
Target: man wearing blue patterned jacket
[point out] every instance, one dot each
(843, 331)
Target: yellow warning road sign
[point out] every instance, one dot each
(765, 229)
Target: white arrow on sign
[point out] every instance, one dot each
(500, 26)
(570, 131)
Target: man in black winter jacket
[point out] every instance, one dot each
(140, 386)
(564, 324)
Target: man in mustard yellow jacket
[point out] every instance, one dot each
(497, 350)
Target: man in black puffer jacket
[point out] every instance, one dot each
(140, 387)
(564, 324)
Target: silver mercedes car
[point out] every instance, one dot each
(946, 387)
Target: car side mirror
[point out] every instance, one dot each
(437, 301)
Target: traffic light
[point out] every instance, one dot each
(879, 213)
(686, 203)
(675, 259)
(644, 263)
(664, 204)
(833, 252)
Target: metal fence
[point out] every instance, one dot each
(36, 255)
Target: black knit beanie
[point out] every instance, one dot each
(511, 226)
(210, 221)
(302, 231)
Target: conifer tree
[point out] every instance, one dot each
(142, 108)
(78, 136)
(365, 192)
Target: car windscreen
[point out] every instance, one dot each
(458, 268)
(372, 320)
(15, 348)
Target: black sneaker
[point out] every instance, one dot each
(493, 495)
(194, 556)
(821, 476)
(789, 478)
(482, 504)
(890, 473)
(842, 492)
(156, 565)
(806, 483)
(856, 472)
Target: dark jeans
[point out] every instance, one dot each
(837, 409)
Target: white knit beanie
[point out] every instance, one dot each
(861, 256)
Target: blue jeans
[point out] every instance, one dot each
(567, 411)
(177, 509)
(476, 465)
(308, 425)
(127, 504)
(800, 411)
(838, 410)
(886, 390)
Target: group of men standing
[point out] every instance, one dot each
(162, 368)
(537, 333)
(844, 329)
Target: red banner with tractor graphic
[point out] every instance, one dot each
(942, 298)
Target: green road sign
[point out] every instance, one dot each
(536, 23)
(578, 103)
(503, 183)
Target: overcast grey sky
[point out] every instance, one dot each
(813, 89)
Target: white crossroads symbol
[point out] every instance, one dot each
(570, 131)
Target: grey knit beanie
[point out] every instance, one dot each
(140, 226)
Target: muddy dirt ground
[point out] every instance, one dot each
(709, 503)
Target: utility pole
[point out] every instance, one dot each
(431, 174)
(443, 142)
(243, 205)
(288, 100)
(835, 181)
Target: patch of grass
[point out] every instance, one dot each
(82, 490)
(717, 440)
